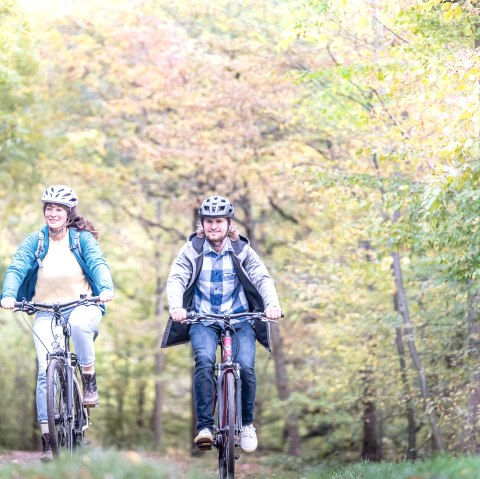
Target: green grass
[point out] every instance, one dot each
(98, 464)
(441, 467)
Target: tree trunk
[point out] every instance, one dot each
(412, 429)
(159, 355)
(291, 431)
(193, 424)
(476, 31)
(291, 421)
(401, 305)
(372, 421)
(141, 388)
(469, 439)
(157, 415)
(372, 415)
(159, 368)
(428, 407)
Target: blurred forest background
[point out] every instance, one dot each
(346, 134)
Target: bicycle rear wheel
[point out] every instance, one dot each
(226, 450)
(57, 412)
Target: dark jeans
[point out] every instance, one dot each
(204, 343)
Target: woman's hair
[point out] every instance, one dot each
(232, 232)
(75, 220)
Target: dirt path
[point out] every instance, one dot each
(20, 457)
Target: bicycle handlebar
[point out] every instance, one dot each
(193, 316)
(30, 307)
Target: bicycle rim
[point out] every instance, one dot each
(57, 413)
(226, 451)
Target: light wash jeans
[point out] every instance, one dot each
(84, 323)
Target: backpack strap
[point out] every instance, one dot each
(40, 248)
(76, 243)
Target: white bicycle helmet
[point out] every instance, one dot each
(61, 195)
(215, 207)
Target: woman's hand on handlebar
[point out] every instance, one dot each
(273, 312)
(8, 303)
(178, 314)
(106, 296)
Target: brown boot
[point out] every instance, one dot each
(47, 449)
(90, 392)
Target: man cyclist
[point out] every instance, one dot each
(218, 272)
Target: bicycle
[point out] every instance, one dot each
(228, 391)
(68, 418)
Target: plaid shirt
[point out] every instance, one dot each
(218, 289)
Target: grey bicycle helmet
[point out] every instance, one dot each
(216, 206)
(61, 195)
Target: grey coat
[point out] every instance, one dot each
(252, 273)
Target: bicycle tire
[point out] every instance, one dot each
(80, 417)
(58, 424)
(226, 451)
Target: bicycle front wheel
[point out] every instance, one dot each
(226, 451)
(57, 411)
(80, 415)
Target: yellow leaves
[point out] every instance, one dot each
(6, 184)
(452, 11)
(90, 139)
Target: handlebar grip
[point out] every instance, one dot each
(25, 307)
(191, 315)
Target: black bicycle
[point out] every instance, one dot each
(68, 418)
(228, 391)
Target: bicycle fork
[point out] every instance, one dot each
(69, 368)
(223, 370)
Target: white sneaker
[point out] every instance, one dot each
(248, 438)
(204, 439)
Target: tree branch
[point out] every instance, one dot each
(282, 213)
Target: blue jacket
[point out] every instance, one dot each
(21, 276)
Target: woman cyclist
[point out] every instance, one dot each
(60, 263)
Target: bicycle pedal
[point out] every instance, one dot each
(86, 442)
(90, 406)
(205, 445)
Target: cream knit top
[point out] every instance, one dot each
(61, 278)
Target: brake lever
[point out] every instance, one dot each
(26, 308)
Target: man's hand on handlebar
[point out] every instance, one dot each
(8, 303)
(178, 314)
(273, 312)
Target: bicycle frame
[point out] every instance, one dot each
(229, 413)
(63, 352)
(227, 366)
(71, 417)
